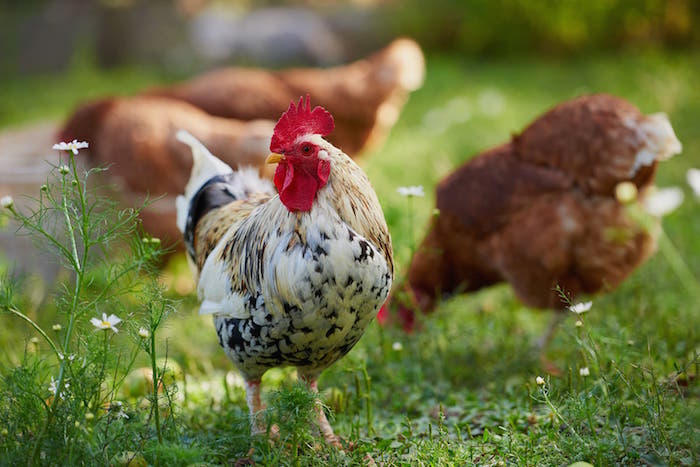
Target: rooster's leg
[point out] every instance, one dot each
(321, 419)
(252, 397)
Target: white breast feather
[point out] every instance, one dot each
(214, 288)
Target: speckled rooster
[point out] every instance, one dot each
(294, 276)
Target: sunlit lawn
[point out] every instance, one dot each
(462, 390)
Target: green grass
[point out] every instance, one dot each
(462, 390)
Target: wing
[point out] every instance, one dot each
(220, 274)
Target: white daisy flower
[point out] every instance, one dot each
(107, 322)
(584, 371)
(143, 332)
(663, 201)
(579, 308)
(73, 146)
(693, 176)
(53, 388)
(7, 202)
(411, 191)
(540, 381)
(397, 346)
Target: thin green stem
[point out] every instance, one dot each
(156, 380)
(560, 417)
(368, 400)
(69, 225)
(38, 329)
(679, 266)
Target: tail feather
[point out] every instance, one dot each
(205, 166)
(208, 171)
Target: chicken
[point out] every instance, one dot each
(292, 276)
(135, 138)
(541, 212)
(365, 97)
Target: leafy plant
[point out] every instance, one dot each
(68, 390)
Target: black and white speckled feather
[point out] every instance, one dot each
(289, 288)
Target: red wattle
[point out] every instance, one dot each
(297, 188)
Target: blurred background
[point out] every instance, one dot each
(186, 36)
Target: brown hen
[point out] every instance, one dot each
(365, 97)
(135, 138)
(540, 211)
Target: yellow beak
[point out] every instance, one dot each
(274, 158)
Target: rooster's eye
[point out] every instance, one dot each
(306, 149)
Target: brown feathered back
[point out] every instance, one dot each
(365, 97)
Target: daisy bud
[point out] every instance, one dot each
(540, 381)
(56, 327)
(7, 202)
(584, 371)
(626, 192)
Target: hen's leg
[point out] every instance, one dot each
(321, 419)
(546, 338)
(543, 344)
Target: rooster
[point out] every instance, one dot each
(135, 138)
(293, 276)
(365, 97)
(540, 211)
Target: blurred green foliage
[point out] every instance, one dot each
(551, 27)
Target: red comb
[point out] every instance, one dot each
(300, 120)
